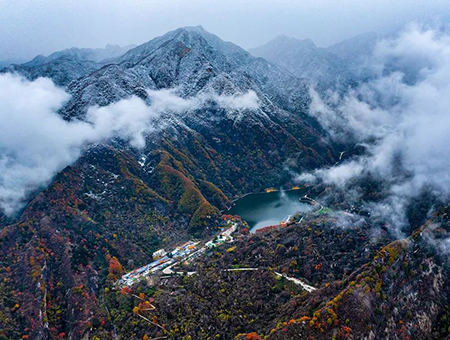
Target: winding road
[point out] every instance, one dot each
(170, 273)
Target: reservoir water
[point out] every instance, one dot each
(265, 209)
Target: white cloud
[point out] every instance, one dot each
(402, 116)
(305, 178)
(341, 174)
(167, 99)
(36, 143)
(248, 100)
(128, 119)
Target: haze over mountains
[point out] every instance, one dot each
(339, 63)
(111, 154)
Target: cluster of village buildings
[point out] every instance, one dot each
(186, 252)
(164, 259)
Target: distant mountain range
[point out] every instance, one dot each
(7, 62)
(66, 65)
(337, 64)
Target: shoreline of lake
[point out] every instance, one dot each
(269, 208)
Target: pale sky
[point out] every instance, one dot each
(32, 27)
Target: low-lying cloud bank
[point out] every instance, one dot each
(402, 117)
(36, 143)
